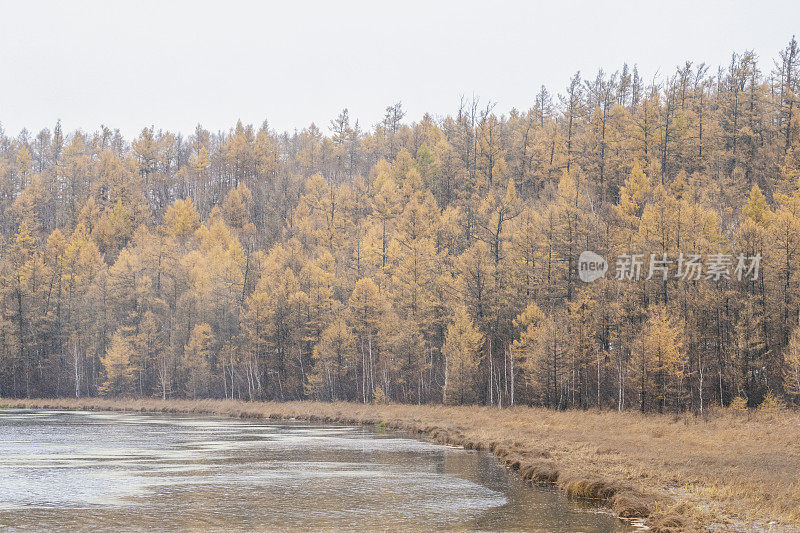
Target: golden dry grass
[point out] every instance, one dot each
(733, 470)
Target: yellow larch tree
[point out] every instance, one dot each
(462, 355)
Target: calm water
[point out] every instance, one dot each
(113, 471)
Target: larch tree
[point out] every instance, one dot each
(117, 364)
(196, 363)
(461, 352)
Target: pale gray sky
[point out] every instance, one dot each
(173, 64)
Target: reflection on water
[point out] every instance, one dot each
(117, 471)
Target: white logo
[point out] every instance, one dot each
(591, 266)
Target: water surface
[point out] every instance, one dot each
(62, 470)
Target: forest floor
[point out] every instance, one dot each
(726, 471)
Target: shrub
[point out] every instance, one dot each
(770, 404)
(739, 405)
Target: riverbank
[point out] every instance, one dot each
(731, 471)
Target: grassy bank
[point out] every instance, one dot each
(730, 471)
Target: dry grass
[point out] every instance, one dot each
(732, 470)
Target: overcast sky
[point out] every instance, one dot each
(175, 64)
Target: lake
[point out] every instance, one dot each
(62, 470)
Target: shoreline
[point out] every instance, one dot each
(563, 448)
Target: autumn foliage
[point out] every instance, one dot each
(433, 261)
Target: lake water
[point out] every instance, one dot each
(117, 472)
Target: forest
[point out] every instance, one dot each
(420, 262)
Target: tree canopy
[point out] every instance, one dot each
(432, 261)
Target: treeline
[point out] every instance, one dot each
(426, 262)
